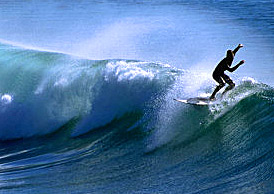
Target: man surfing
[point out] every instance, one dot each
(219, 75)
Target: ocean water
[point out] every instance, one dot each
(87, 88)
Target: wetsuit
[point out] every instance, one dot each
(219, 72)
(223, 66)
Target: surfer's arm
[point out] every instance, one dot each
(236, 66)
(236, 49)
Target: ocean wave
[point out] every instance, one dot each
(42, 90)
(242, 137)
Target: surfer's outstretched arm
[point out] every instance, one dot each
(237, 48)
(236, 66)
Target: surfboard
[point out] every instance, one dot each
(196, 101)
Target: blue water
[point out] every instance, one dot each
(87, 88)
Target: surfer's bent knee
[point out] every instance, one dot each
(221, 85)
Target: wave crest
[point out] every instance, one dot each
(42, 91)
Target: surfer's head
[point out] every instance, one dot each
(229, 54)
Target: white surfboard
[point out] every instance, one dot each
(196, 101)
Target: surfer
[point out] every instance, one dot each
(219, 75)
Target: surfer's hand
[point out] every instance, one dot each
(242, 62)
(240, 45)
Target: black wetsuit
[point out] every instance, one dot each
(219, 72)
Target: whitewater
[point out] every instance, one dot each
(87, 89)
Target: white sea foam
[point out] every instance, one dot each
(6, 99)
(127, 70)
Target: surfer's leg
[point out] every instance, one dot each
(230, 82)
(220, 86)
(212, 97)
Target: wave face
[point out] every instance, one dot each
(111, 126)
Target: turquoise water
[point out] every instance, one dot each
(87, 88)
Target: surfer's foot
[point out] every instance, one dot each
(212, 98)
